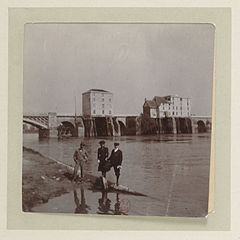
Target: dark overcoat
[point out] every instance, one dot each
(116, 158)
(102, 156)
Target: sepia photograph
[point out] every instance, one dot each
(117, 118)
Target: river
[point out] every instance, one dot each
(173, 170)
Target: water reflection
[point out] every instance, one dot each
(105, 205)
(174, 168)
(117, 206)
(81, 207)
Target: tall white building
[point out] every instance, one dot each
(97, 102)
(167, 106)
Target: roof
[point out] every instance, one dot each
(96, 90)
(176, 96)
(150, 103)
(159, 100)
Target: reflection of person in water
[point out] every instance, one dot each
(117, 210)
(104, 204)
(80, 207)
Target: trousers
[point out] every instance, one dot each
(78, 165)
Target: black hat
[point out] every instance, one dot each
(102, 142)
(116, 144)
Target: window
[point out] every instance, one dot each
(180, 99)
(110, 112)
(102, 99)
(102, 95)
(94, 111)
(172, 113)
(94, 99)
(110, 99)
(176, 107)
(102, 111)
(103, 105)
(176, 113)
(94, 105)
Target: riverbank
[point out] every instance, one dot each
(43, 179)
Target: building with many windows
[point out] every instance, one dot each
(168, 106)
(97, 102)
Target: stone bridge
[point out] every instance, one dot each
(201, 124)
(53, 125)
(60, 125)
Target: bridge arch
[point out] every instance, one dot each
(201, 126)
(65, 128)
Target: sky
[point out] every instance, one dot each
(133, 61)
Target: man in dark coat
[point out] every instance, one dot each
(116, 160)
(102, 157)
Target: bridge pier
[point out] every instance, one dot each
(89, 127)
(138, 126)
(80, 127)
(52, 124)
(194, 127)
(110, 127)
(174, 126)
(43, 133)
(116, 127)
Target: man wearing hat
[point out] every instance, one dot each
(116, 160)
(102, 157)
(80, 157)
